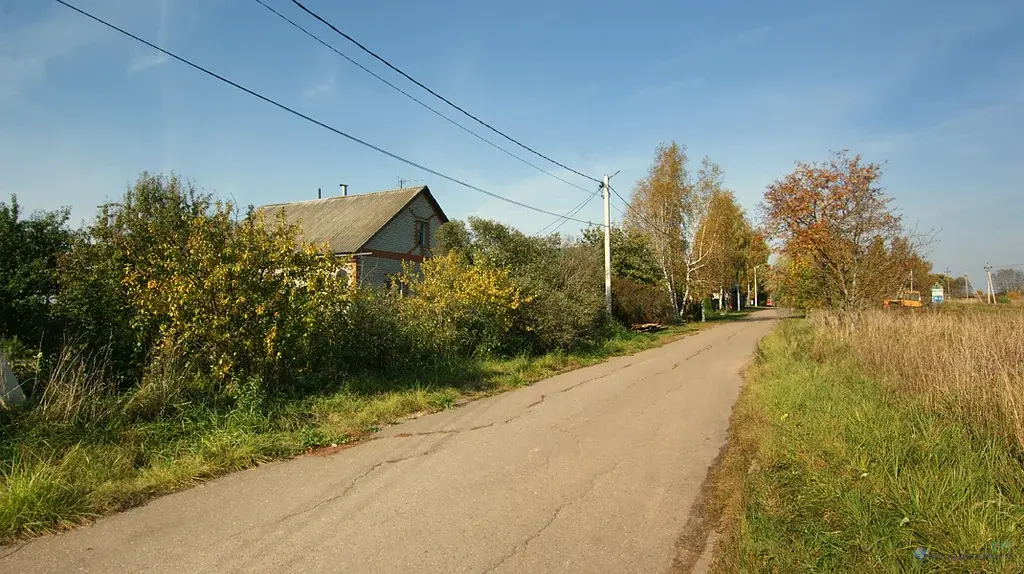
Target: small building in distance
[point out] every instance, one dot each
(380, 230)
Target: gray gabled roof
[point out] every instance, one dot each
(346, 223)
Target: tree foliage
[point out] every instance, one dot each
(1006, 281)
(30, 249)
(562, 280)
(704, 241)
(658, 208)
(632, 257)
(466, 309)
(168, 270)
(834, 220)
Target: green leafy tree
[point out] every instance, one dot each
(632, 257)
(30, 249)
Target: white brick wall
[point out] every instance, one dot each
(377, 271)
(398, 236)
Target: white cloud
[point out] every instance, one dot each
(146, 61)
(319, 89)
(26, 52)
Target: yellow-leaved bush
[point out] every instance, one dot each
(464, 309)
(243, 302)
(240, 297)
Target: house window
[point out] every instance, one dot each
(422, 234)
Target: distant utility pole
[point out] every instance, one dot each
(948, 292)
(991, 299)
(739, 298)
(755, 284)
(967, 281)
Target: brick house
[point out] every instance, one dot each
(380, 230)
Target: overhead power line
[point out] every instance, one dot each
(414, 98)
(640, 215)
(308, 118)
(437, 95)
(560, 221)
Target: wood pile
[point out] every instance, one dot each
(648, 327)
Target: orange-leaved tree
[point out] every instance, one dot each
(834, 221)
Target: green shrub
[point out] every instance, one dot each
(467, 309)
(634, 303)
(373, 335)
(560, 283)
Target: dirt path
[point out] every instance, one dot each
(596, 470)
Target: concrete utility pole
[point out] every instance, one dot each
(739, 303)
(10, 390)
(607, 246)
(755, 284)
(991, 298)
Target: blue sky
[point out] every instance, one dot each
(934, 88)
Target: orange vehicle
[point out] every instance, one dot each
(911, 299)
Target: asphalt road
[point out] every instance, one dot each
(596, 470)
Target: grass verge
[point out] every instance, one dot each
(831, 470)
(57, 476)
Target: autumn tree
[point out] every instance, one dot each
(730, 234)
(657, 208)
(835, 221)
(1006, 281)
(702, 237)
(756, 259)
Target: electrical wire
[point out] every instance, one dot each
(437, 95)
(308, 118)
(640, 215)
(559, 222)
(414, 98)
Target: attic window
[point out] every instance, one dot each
(422, 234)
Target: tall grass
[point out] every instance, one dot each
(833, 469)
(967, 362)
(78, 388)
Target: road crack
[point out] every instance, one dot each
(524, 545)
(545, 396)
(435, 432)
(352, 484)
(16, 548)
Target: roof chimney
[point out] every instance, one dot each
(344, 189)
(319, 193)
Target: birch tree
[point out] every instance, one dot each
(700, 239)
(728, 231)
(658, 208)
